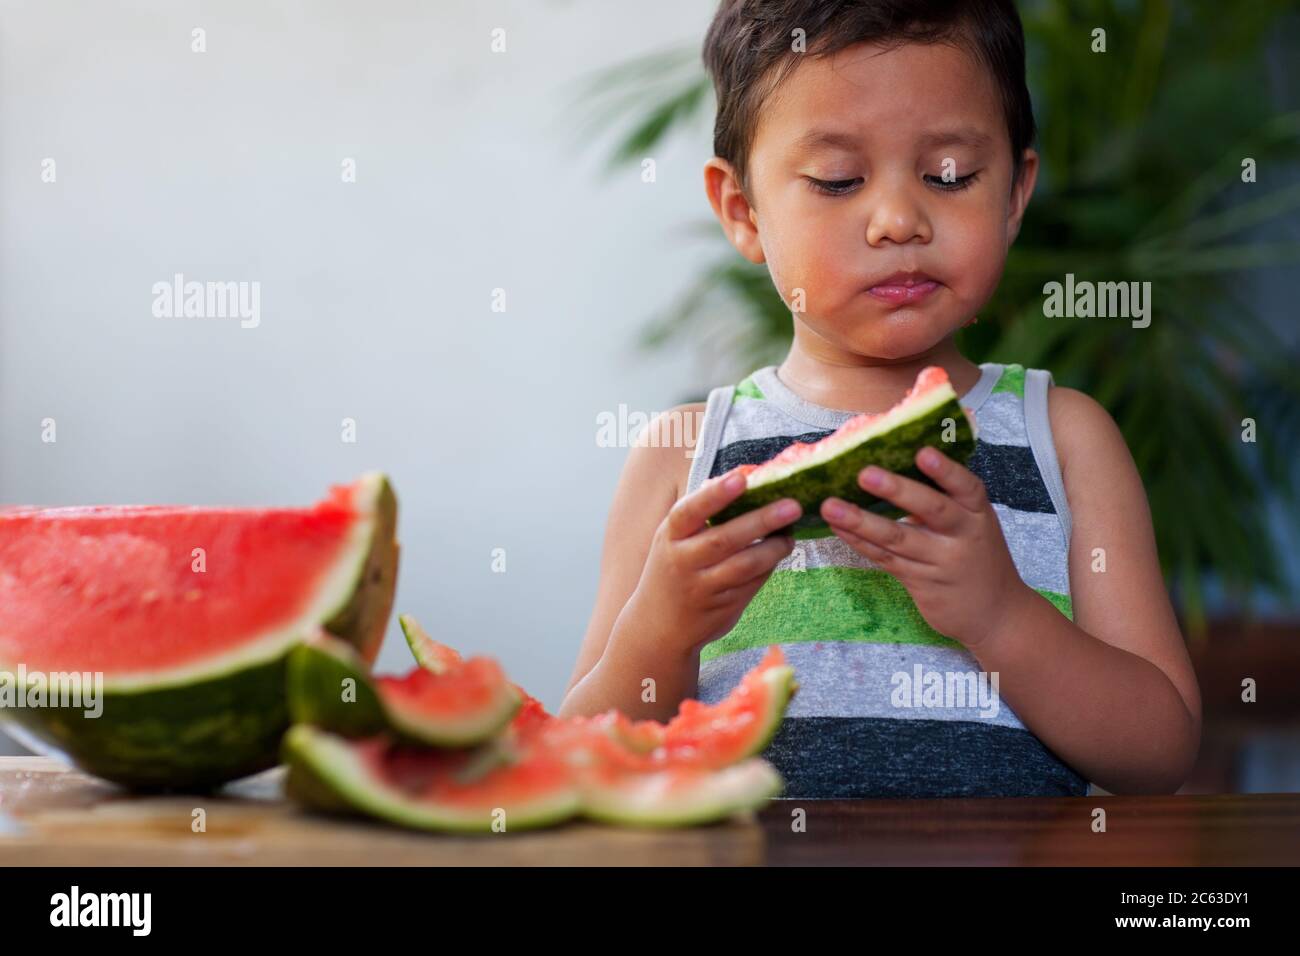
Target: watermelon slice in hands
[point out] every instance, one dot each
(811, 472)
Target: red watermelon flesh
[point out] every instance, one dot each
(464, 705)
(532, 713)
(703, 735)
(477, 686)
(113, 589)
(739, 725)
(467, 780)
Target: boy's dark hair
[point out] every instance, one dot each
(748, 53)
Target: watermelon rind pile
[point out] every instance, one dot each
(538, 770)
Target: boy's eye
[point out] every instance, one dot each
(961, 182)
(832, 187)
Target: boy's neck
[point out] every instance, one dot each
(828, 376)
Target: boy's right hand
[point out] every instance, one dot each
(697, 578)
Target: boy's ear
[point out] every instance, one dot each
(731, 206)
(1020, 193)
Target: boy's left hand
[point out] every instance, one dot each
(949, 553)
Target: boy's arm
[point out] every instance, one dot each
(653, 478)
(1112, 693)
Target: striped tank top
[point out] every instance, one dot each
(887, 706)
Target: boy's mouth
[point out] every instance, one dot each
(903, 288)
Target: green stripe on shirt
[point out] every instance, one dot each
(837, 604)
(746, 389)
(1012, 380)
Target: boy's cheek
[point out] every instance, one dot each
(975, 255)
(812, 272)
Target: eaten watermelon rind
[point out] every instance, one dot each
(673, 798)
(320, 665)
(772, 680)
(197, 727)
(463, 732)
(427, 652)
(437, 658)
(605, 768)
(781, 685)
(327, 773)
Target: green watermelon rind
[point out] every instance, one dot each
(894, 450)
(362, 620)
(314, 688)
(723, 792)
(199, 727)
(418, 641)
(195, 737)
(326, 774)
(317, 668)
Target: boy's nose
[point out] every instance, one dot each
(897, 217)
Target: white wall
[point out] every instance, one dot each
(375, 296)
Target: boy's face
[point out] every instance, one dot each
(892, 117)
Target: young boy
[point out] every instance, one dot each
(876, 156)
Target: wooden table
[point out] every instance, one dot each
(50, 815)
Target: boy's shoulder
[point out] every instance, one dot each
(1089, 445)
(663, 448)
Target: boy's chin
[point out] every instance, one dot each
(897, 340)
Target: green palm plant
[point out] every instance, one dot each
(1142, 149)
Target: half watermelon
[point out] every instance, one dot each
(811, 472)
(188, 614)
